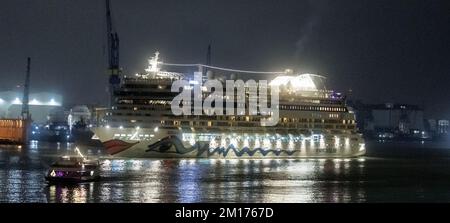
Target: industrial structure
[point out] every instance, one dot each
(39, 107)
(391, 120)
(113, 53)
(15, 130)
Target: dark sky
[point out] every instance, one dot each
(383, 50)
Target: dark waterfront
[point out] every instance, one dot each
(366, 179)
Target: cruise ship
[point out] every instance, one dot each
(313, 122)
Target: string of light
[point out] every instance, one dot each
(222, 68)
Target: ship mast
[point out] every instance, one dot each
(208, 62)
(113, 54)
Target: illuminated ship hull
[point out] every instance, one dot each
(146, 143)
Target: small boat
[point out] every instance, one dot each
(73, 169)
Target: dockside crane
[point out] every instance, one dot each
(114, 70)
(26, 91)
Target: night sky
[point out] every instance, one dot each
(385, 51)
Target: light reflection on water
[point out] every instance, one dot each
(216, 180)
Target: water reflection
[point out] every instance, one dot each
(217, 180)
(21, 186)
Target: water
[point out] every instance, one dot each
(365, 179)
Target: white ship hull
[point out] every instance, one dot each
(162, 143)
